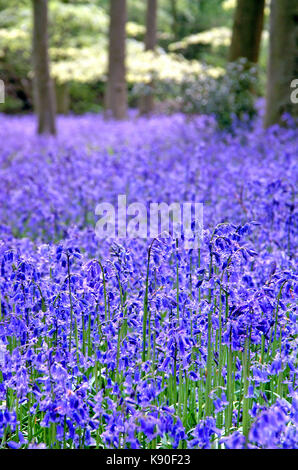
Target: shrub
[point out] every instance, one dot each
(229, 97)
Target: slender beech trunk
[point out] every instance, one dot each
(44, 96)
(62, 98)
(283, 61)
(116, 90)
(247, 30)
(147, 101)
(175, 23)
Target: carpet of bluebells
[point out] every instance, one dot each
(142, 343)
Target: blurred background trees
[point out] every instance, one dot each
(195, 56)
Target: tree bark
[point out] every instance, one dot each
(247, 30)
(62, 98)
(175, 22)
(43, 86)
(147, 101)
(151, 21)
(283, 61)
(116, 90)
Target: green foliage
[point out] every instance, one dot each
(214, 38)
(85, 97)
(233, 96)
(193, 16)
(12, 104)
(227, 97)
(210, 46)
(76, 25)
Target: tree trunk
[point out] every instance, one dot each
(147, 101)
(116, 91)
(175, 22)
(247, 30)
(43, 86)
(283, 61)
(62, 98)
